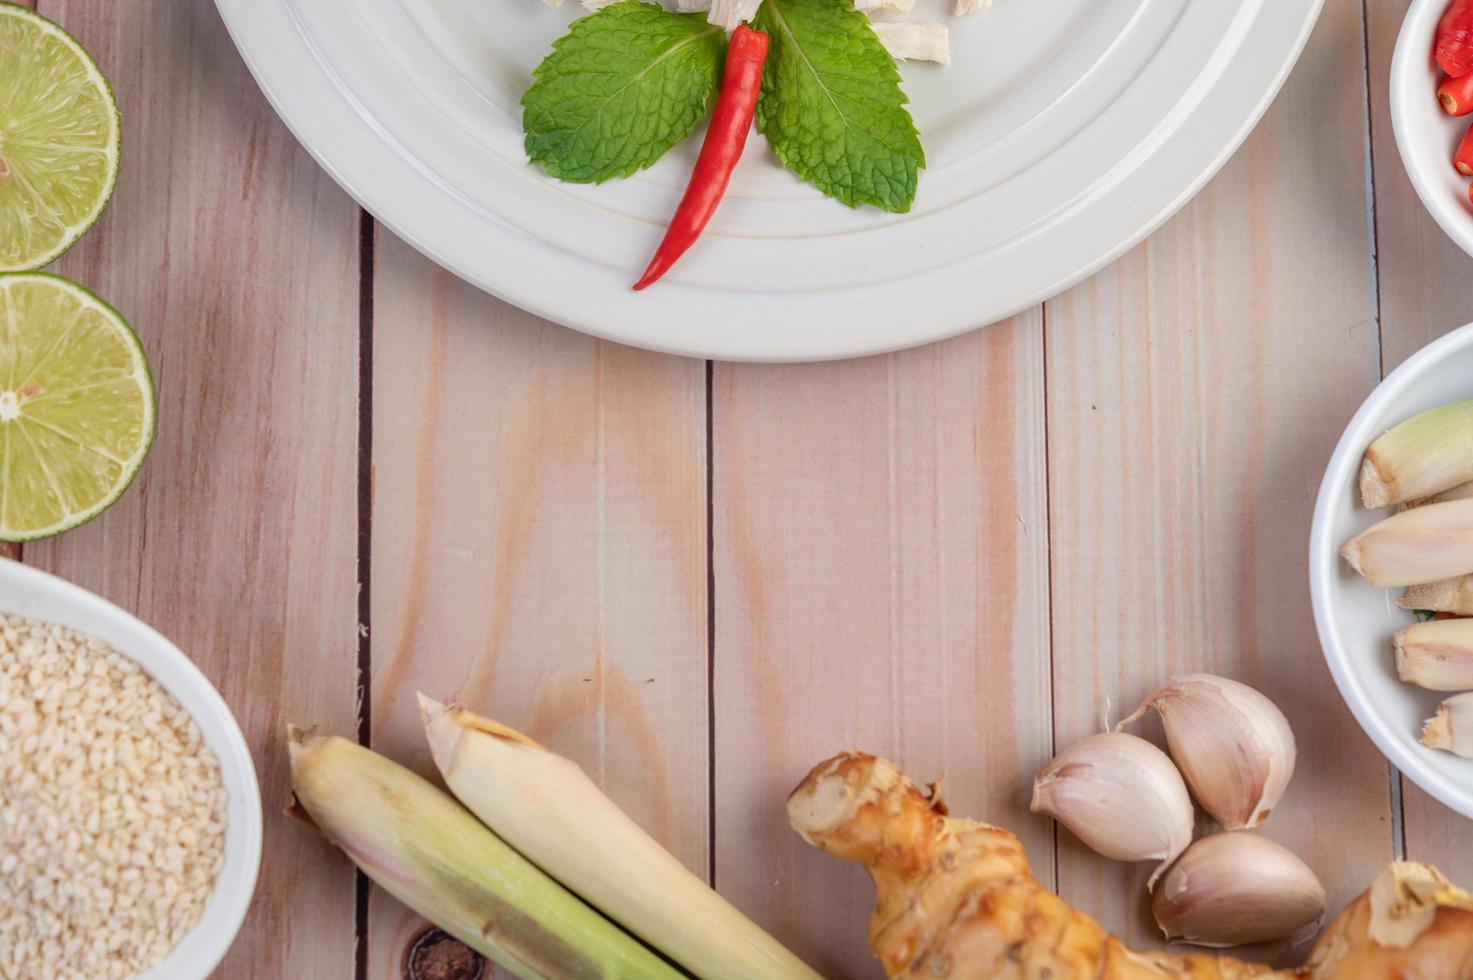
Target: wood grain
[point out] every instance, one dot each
(880, 553)
(1425, 291)
(235, 258)
(1195, 390)
(881, 528)
(539, 547)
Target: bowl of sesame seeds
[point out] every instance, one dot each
(130, 817)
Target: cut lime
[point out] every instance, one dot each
(76, 405)
(58, 140)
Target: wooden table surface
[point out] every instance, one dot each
(697, 579)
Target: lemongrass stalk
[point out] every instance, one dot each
(1437, 655)
(547, 808)
(1421, 457)
(1463, 491)
(1415, 547)
(426, 850)
(1451, 729)
(1451, 595)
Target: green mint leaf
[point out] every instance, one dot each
(831, 104)
(619, 89)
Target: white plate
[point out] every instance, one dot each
(1063, 132)
(1356, 620)
(32, 594)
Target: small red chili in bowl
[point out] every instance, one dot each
(1453, 48)
(1456, 95)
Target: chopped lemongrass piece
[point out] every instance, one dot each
(870, 6)
(430, 853)
(1421, 457)
(1451, 595)
(915, 41)
(1452, 727)
(1463, 491)
(1437, 655)
(548, 809)
(963, 7)
(1427, 544)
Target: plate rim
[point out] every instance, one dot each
(766, 328)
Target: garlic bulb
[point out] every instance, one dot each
(1120, 795)
(1236, 888)
(1233, 745)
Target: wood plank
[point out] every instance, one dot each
(880, 543)
(539, 547)
(1425, 291)
(1196, 389)
(235, 257)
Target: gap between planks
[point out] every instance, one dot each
(367, 229)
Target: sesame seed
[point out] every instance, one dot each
(110, 806)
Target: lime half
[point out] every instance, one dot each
(76, 405)
(58, 140)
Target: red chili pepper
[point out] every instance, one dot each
(1463, 159)
(725, 138)
(1454, 47)
(1456, 95)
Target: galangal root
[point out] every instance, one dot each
(955, 899)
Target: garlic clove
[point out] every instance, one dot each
(1120, 795)
(1451, 729)
(1437, 655)
(1233, 745)
(1235, 888)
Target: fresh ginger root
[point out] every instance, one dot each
(955, 899)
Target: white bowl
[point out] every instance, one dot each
(1426, 136)
(1354, 619)
(33, 594)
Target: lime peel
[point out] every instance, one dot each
(77, 405)
(59, 140)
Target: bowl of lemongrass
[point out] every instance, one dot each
(1391, 568)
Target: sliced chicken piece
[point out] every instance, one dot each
(969, 6)
(904, 6)
(916, 41)
(594, 4)
(691, 6)
(729, 14)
